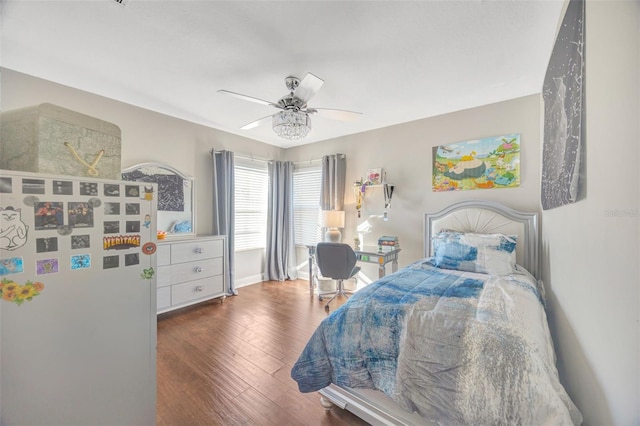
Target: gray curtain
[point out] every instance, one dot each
(223, 207)
(334, 171)
(280, 253)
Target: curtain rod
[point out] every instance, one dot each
(315, 160)
(265, 160)
(244, 156)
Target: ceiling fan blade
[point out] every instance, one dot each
(259, 122)
(308, 87)
(248, 98)
(335, 114)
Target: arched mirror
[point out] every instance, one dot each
(176, 196)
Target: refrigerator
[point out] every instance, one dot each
(78, 305)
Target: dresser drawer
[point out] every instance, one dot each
(188, 271)
(163, 254)
(163, 297)
(163, 277)
(193, 290)
(194, 250)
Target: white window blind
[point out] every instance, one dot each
(251, 192)
(306, 205)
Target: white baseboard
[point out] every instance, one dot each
(253, 279)
(303, 275)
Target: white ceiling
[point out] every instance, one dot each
(394, 61)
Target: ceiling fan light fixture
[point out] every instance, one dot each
(291, 124)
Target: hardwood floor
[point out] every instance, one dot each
(229, 363)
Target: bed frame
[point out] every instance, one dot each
(465, 216)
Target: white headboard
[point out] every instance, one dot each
(488, 217)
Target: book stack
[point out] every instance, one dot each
(387, 244)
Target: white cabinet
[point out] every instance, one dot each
(190, 271)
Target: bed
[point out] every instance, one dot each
(459, 337)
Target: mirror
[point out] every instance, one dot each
(176, 196)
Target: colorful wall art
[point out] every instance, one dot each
(486, 163)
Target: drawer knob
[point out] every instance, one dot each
(199, 250)
(199, 269)
(199, 288)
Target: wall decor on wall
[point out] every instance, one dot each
(175, 194)
(563, 95)
(492, 162)
(374, 176)
(170, 186)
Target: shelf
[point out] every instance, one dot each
(361, 189)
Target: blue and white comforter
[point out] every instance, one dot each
(456, 347)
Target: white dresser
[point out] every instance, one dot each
(190, 271)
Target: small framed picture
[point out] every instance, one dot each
(80, 242)
(109, 262)
(111, 208)
(131, 259)
(5, 185)
(80, 215)
(374, 176)
(62, 187)
(88, 188)
(132, 208)
(111, 227)
(44, 245)
(48, 215)
(132, 190)
(133, 226)
(111, 190)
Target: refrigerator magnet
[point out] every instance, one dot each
(14, 265)
(149, 248)
(46, 266)
(81, 261)
(13, 231)
(14, 292)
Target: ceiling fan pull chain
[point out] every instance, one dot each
(91, 167)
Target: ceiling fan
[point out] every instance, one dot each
(293, 121)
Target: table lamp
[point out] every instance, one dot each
(332, 220)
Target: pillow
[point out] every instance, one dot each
(493, 254)
(184, 226)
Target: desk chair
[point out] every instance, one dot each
(338, 262)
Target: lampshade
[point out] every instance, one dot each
(291, 124)
(332, 220)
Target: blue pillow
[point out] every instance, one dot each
(493, 254)
(184, 226)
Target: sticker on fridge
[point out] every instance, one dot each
(13, 231)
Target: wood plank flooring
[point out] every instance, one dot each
(229, 363)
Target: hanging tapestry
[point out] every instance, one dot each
(563, 95)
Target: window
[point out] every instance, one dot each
(251, 203)
(306, 204)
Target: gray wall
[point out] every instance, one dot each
(404, 153)
(591, 249)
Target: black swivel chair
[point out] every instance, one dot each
(338, 262)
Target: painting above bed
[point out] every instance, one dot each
(492, 162)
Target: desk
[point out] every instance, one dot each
(372, 255)
(366, 255)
